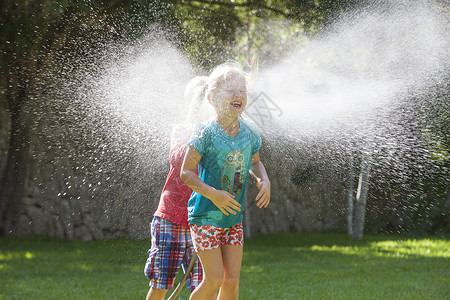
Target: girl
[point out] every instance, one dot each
(171, 239)
(226, 149)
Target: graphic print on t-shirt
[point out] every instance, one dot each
(234, 173)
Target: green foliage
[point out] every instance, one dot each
(436, 131)
(35, 35)
(276, 266)
(216, 31)
(210, 32)
(431, 208)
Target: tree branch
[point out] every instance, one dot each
(248, 5)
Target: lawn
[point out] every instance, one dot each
(275, 266)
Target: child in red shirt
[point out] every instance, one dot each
(171, 238)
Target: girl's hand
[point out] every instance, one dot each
(225, 202)
(263, 197)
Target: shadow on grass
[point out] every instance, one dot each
(275, 266)
(327, 266)
(45, 268)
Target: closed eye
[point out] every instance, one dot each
(237, 91)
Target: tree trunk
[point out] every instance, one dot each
(361, 199)
(350, 198)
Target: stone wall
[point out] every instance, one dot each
(83, 184)
(79, 191)
(307, 194)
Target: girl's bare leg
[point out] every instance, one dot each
(232, 260)
(156, 294)
(212, 275)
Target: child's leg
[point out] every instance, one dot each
(156, 294)
(232, 260)
(212, 274)
(196, 275)
(165, 256)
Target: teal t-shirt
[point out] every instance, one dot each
(224, 165)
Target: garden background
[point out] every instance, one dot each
(79, 159)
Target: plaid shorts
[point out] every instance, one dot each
(171, 248)
(206, 237)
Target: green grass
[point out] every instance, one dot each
(275, 266)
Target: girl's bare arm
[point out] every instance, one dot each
(258, 171)
(222, 199)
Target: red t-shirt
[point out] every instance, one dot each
(175, 194)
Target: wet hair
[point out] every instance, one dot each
(194, 94)
(200, 87)
(220, 74)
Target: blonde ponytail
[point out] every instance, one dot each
(194, 96)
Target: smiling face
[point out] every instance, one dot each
(230, 97)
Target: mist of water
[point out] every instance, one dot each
(357, 86)
(351, 80)
(362, 79)
(366, 62)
